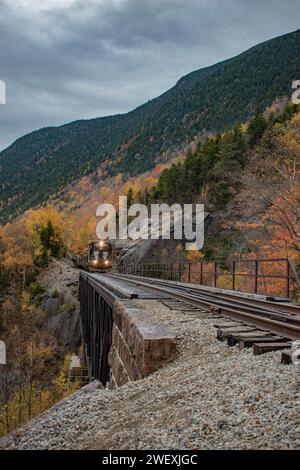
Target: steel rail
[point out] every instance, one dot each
(267, 320)
(221, 302)
(234, 297)
(246, 298)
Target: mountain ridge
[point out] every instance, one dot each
(211, 99)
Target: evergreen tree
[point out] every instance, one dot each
(226, 172)
(256, 128)
(130, 197)
(212, 170)
(209, 157)
(168, 187)
(50, 243)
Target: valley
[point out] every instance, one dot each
(226, 136)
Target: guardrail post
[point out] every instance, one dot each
(201, 272)
(288, 278)
(256, 278)
(233, 275)
(215, 273)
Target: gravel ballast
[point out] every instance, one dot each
(210, 397)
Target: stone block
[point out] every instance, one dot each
(139, 346)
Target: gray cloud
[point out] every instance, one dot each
(99, 57)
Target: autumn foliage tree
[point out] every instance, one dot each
(276, 176)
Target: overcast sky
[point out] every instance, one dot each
(64, 60)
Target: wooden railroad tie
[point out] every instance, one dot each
(286, 357)
(262, 348)
(256, 336)
(222, 334)
(248, 336)
(249, 341)
(223, 326)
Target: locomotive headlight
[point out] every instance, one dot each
(95, 261)
(101, 244)
(106, 262)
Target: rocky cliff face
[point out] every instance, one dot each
(61, 304)
(135, 252)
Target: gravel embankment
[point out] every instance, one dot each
(211, 397)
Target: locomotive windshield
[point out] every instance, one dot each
(100, 254)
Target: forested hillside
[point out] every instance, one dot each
(248, 178)
(208, 100)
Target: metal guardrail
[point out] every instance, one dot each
(267, 276)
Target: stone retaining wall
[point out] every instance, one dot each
(139, 346)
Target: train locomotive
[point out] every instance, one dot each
(97, 257)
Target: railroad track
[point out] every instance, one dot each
(216, 294)
(279, 319)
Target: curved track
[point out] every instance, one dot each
(282, 319)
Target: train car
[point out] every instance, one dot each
(97, 257)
